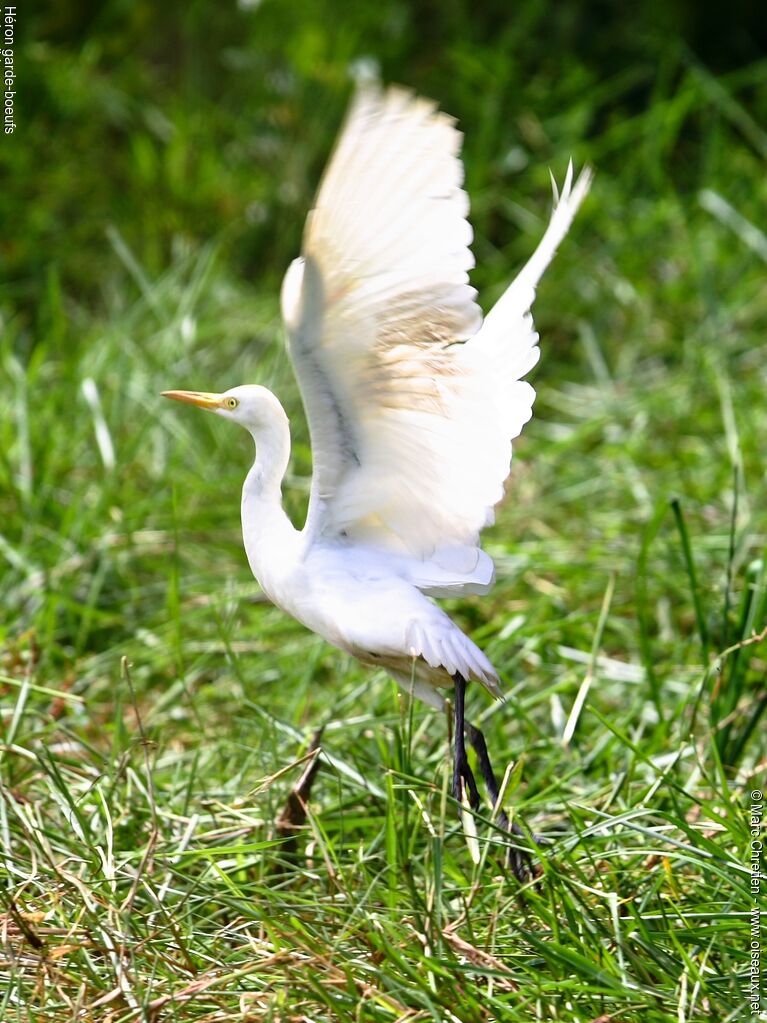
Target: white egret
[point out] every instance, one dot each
(412, 403)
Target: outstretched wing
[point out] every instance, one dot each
(411, 406)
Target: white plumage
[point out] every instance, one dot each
(412, 401)
(411, 428)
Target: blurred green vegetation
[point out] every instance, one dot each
(189, 121)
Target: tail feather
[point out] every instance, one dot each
(442, 645)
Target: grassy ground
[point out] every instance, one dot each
(156, 711)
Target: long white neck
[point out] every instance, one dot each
(270, 538)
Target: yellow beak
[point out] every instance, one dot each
(200, 398)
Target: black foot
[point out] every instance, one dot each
(519, 861)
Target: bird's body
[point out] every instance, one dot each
(362, 599)
(412, 403)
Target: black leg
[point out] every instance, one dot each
(477, 739)
(517, 859)
(461, 770)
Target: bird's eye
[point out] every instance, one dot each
(232, 403)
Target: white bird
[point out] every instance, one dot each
(412, 403)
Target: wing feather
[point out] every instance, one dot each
(412, 403)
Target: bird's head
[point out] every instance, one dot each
(253, 407)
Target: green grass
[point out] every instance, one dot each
(156, 711)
